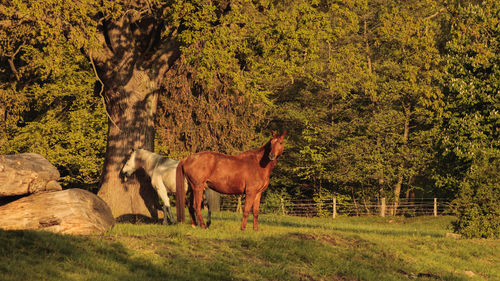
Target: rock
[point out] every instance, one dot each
(470, 273)
(71, 211)
(453, 235)
(53, 186)
(26, 173)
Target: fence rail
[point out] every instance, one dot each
(334, 207)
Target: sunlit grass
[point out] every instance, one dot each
(285, 248)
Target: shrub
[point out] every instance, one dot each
(478, 203)
(276, 201)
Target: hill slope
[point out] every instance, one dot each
(286, 248)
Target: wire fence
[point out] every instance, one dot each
(332, 207)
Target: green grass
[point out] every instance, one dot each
(285, 248)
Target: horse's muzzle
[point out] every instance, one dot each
(272, 157)
(124, 176)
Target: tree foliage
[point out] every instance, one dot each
(235, 56)
(46, 94)
(470, 143)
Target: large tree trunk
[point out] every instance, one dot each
(131, 66)
(3, 126)
(133, 128)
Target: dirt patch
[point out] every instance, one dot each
(339, 278)
(323, 238)
(306, 277)
(419, 275)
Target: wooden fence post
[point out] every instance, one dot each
(282, 206)
(238, 207)
(334, 207)
(382, 207)
(435, 207)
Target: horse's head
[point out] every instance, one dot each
(130, 166)
(276, 145)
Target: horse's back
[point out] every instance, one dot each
(166, 167)
(167, 162)
(223, 173)
(206, 162)
(199, 165)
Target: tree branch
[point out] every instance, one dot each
(101, 91)
(11, 62)
(436, 13)
(13, 68)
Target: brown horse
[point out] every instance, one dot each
(246, 173)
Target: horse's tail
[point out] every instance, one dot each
(180, 192)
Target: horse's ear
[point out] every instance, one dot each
(284, 134)
(274, 134)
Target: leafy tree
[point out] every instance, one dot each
(366, 120)
(470, 141)
(194, 118)
(309, 106)
(46, 96)
(407, 67)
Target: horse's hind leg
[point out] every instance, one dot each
(198, 197)
(191, 209)
(206, 200)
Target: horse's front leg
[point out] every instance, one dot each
(168, 210)
(256, 205)
(160, 188)
(249, 200)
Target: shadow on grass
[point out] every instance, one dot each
(33, 255)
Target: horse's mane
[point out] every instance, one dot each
(259, 153)
(266, 148)
(150, 159)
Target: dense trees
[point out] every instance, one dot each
(381, 98)
(47, 103)
(470, 146)
(372, 116)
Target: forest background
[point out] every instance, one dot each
(395, 99)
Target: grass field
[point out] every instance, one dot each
(285, 248)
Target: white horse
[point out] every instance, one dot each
(161, 170)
